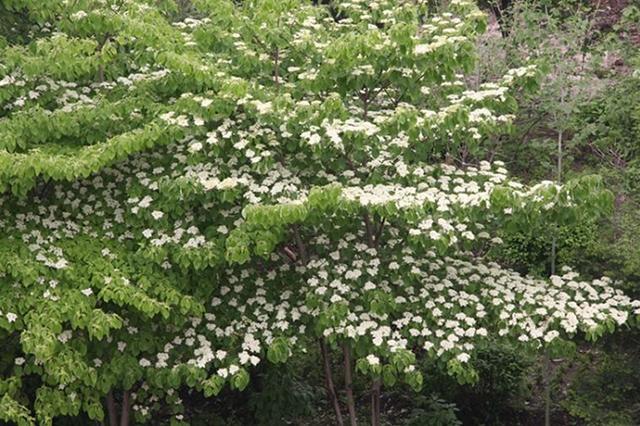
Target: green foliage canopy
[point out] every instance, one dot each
(183, 200)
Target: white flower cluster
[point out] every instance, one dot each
(142, 257)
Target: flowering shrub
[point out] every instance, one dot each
(185, 200)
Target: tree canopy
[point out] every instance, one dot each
(185, 199)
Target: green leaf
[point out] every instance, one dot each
(240, 380)
(213, 385)
(278, 351)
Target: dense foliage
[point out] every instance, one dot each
(192, 191)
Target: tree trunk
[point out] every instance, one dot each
(111, 409)
(124, 415)
(101, 73)
(276, 59)
(547, 389)
(348, 384)
(375, 403)
(302, 250)
(328, 380)
(368, 226)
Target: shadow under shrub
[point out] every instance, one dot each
(497, 396)
(605, 390)
(276, 395)
(433, 411)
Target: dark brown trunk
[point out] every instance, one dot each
(375, 403)
(379, 232)
(348, 384)
(302, 250)
(124, 415)
(111, 410)
(328, 380)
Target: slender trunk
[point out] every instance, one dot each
(365, 104)
(554, 249)
(560, 134)
(101, 73)
(348, 384)
(369, 230)
(375, 403)
(290, 254)
(379, 232)
(302, 250)
(111, 409)
(547, 359)
(547, 389)
(44, 192)
(328, 380)
(276, 60)
(124, 415)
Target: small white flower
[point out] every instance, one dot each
(335, 298)
(373, 360)
(551, 335)
(87, 291)
(79, 15)
(195, 147)
(421, 49)
(244, 357)
(11, 317)
(145, 202)
(463, 357)
(157, 215)
(314, 139)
